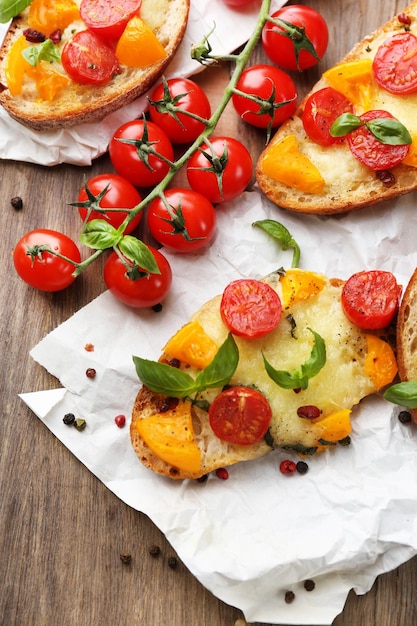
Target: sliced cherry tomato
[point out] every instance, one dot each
(88, 60)
(372, 152)
(147, 290)
(220, 171)
(188, 96)
(271, 85)
(370, 299)
(188, 225)
(120, 194)
(108, 19)
(321, 109)
(41, 269)
(250, 308)
(133, 161)
(292, 49)
(240, 415)
(395, 64)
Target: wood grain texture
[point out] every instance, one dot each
(62, 531)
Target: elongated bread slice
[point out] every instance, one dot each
(348, 185)
(174, 437)
(77, 103)
(407, 334)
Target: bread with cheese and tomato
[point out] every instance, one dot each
(407, 335)
(268, 364)
(300, 171)
(56, 71)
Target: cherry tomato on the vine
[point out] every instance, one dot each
(108, 19)
(299, 45)
(129, 153)
(276, 88)
(138, 288)
(42, 269)
(187, 224)
(321, 109)
(87, 59)
(370, 298)
(187, 95)
(221, 169)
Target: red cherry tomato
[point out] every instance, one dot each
(120, 194)
(250, 308)
(372, 152)
(41, 269)
(223, 175)
(87, 59)
(370, 299)
(240, 415)
(280, 44)
(321, 109)
(147, 290)
(265, 81)
(189, 224)
(239, 3)
(132, 162)
(181, 128)
(108, 19)
(395, 64)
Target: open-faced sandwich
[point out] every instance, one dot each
(353, 140)
(274, 363)
(407, 341)
(74, 61)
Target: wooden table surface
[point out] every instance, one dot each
(62, 531)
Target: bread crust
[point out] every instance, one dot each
(85, 103)
(407, 334)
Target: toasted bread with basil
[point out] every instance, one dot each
(407, 334)
(326, 180)
(70, 103)
(173, 436)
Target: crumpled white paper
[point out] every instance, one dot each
(258, 534)
(83, 143)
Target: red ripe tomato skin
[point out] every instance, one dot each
(250, 308)
(280, 48)
(395, 64)
(238, 3)
(195, 101)
(48, 273)
(370, 299)
(236, 175)
(126, 160)
(100, 17)
(371, 152)
(120, 194)
(198, 213)
(321, 109)
(261, 81)
(240, 415)
(88, 60)
(144, 292)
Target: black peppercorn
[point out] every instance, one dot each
(404, 417)
(302, 467)
(17, 203)
(172, 562)
(309, 585)
(289, 597)
(69, 419)
(125, 558)
(154, 551)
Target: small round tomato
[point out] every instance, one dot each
(240, 415)
(395, 64)
(238, 3)
(138, 289)
(129, 153)
(118, 194)
(188, 96)
(269, 84)
(108, 19)
(221, 169)
(301, 44)
(372, 152)
(250, 308)
(370, 299)
(87, 59)
(42, 269)
(321, 109)
(187, 224)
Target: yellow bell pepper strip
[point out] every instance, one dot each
(285, 163)
(299, 285)
(138, 45)
(47, 16)
(380, 361)
(355, 81)
(192, 345)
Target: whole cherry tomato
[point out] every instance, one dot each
(40, 268)
(108, 19)
(370, 299)
(87, 59)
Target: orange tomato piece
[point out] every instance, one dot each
(138, 45)
(300, 285)
(334, 427)
(49, 83)
(380, 361)
(16, 66)
(49, 15)
(192, 345)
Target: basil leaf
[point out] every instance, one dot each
(45, 51)
(135, 250)
(279, 232)
(11, 8)
(163, 378)
(99, 235)
(298, 379)
(404, 394)
(389, 131)
(344, 124)
(222, 367)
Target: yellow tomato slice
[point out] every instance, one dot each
(138, 46)
(49, 15)
(299, 285)
(192, 345)
(16, 66)
(380, 361)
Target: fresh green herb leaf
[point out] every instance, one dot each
(222, 367)
(344, 124)
(45, 51)
(99, 235)
(135, 250)
(11, 8)
(390, 131)
(279, 232)
(403, 394)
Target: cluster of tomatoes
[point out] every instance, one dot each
(142, 153)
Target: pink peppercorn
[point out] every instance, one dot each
(90, 372)
(287, 467)
(120, 420)
(222, 473)
(403, 18)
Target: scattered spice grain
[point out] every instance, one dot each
(289, 597)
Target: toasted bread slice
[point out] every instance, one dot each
(407, 335)
(80, 103)
(174, 437)
(348, 185)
